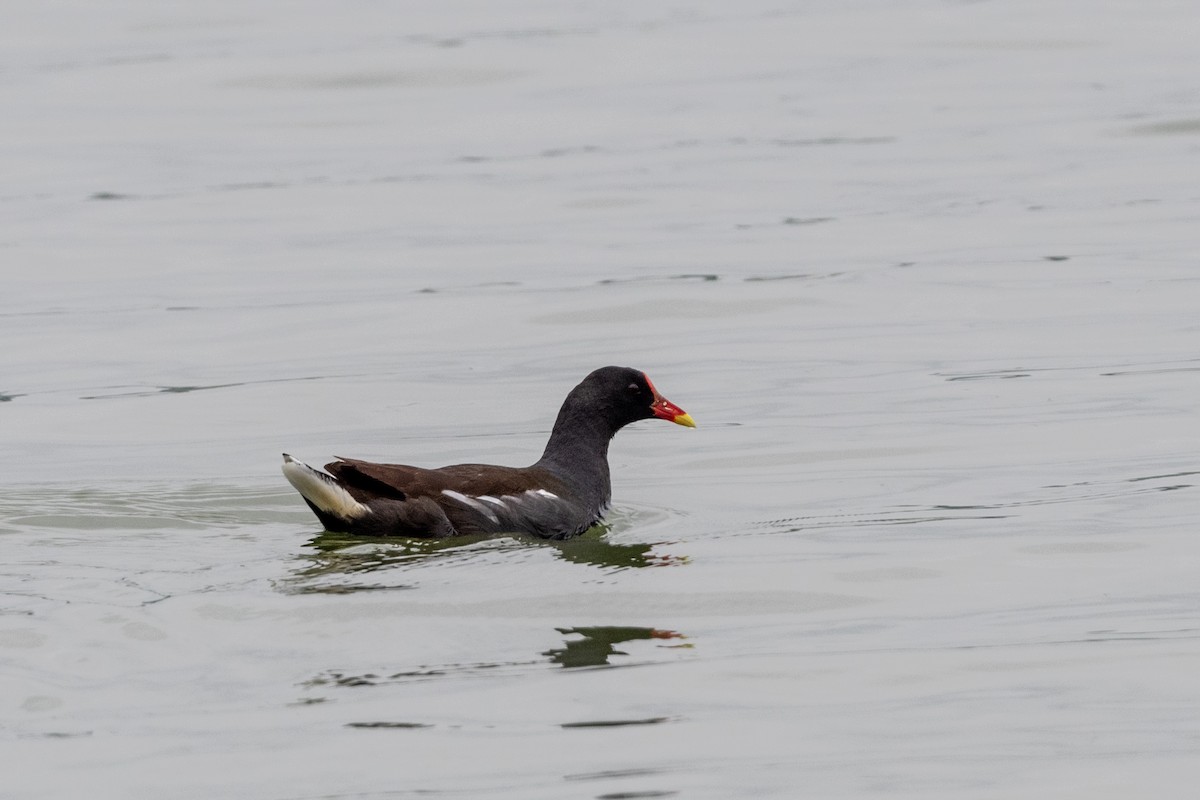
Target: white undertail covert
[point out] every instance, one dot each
(322, 490)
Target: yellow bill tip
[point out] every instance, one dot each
(685, 420)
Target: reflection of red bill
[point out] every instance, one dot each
(655, 633)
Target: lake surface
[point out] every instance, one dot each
(925, 274)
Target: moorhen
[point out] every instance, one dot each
(566, 492)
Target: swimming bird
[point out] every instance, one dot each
(561, 495)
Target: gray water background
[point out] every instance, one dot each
(925, 273)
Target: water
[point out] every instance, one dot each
(924, 273)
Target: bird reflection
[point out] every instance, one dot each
(593, 547)
(334, 557)
(596, 645)
(583, 647)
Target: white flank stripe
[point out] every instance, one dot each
(543, 493)
(471, 502)
(322, 490)
(496, 501)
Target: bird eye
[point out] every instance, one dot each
(633, 387)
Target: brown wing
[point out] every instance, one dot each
(366, 480)
(400, 481)
(464, 498)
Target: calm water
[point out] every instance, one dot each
(924, 273)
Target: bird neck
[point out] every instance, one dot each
(578, 450)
